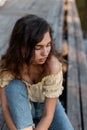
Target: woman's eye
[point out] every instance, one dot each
(37, 48)
(41, 47)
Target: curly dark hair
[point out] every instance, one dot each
(27, 32)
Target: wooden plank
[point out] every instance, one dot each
(6, 25)
(73, 97)
(59, 28)
(85, 45)
(2, 3)
(82, 68)
(57, 24)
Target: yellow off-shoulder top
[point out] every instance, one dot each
(50, 86)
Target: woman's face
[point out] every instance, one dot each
(42, 49)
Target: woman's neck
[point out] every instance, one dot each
(32, 73)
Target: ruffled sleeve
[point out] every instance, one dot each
(5, 78)
(52, 86)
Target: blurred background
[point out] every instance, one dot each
(82, 10)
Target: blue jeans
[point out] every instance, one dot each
(24, 111)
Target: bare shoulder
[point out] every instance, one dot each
(54, 65)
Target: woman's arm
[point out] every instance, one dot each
(5, 110)
(50, 103)
(48, 113)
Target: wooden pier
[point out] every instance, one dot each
(77, 71)
(53, 11)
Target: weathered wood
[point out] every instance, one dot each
(58, 24)
(82, 68)
(48, 9)
(77, 71)
(73, 97)
(59, 34)
(6, 25)
(85, 44)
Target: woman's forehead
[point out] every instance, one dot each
(46, 39)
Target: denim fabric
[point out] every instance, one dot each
(23, 115)
(60, 120)
(17, 97)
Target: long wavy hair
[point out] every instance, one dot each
(27, 32)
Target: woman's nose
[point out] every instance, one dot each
(44, 51)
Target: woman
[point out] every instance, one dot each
(31, 78)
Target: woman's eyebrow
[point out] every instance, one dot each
(42, 45)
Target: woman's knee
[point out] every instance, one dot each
(15, 87)
(15, 91)
(19, 104)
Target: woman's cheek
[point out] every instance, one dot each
(49, 49)
(37, 54)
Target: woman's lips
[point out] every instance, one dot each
(42, 59)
